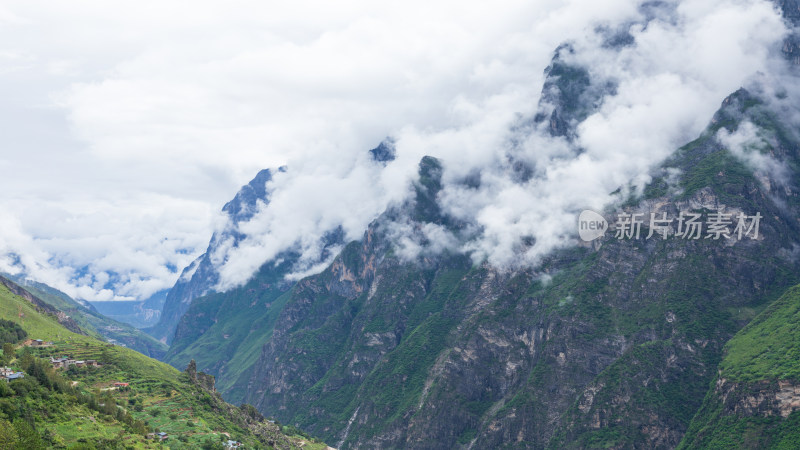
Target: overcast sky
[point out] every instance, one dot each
(125, 126)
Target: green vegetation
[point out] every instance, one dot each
(94, 323)
(769, 347)
(82, 408)
(721, 170)
(759, 355)
(224, 332)
(11, 332)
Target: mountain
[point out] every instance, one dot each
(754, 400)
(605, 345)
(612, 343)
(201, 277)
(138, 313)
(81, 408)
(86, 318)
(224, 332)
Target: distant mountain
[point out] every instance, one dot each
(201, 276)
(139, 313)
(224, 332)
(90, 320)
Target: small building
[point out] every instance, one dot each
(15, 376)
(92, 363)
(120, 384)
(5, 371)
(162, 436)
(59, 363)
(233, 444)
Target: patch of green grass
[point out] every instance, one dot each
(768, 347)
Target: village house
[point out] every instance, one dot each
(233, 444)
(37, 343)
(59, 363)
(121, 384)
(13, 376)
(64, 363)
(5, 371)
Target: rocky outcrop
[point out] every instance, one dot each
(201, 379)
(764, 398)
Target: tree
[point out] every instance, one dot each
(5, 390)
(27, 437)
(8, 353)
(211, 444)
(8, 436)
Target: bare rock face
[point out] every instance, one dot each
(764, 398)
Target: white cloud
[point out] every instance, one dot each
(753, 147)
(668, 85)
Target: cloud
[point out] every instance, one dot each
(752, 146)
(127, 126)
(668, 83)
(100, 243)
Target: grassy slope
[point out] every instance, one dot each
(164, 397)
(96, 324)
(239, 323)
(769, 347)
(766, 350)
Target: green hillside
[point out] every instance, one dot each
(224, 332)
(752, 403)
(769, 347)
(94, 323)
(80, 407)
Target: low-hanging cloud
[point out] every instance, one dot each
(668, 84)
(752, 146)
